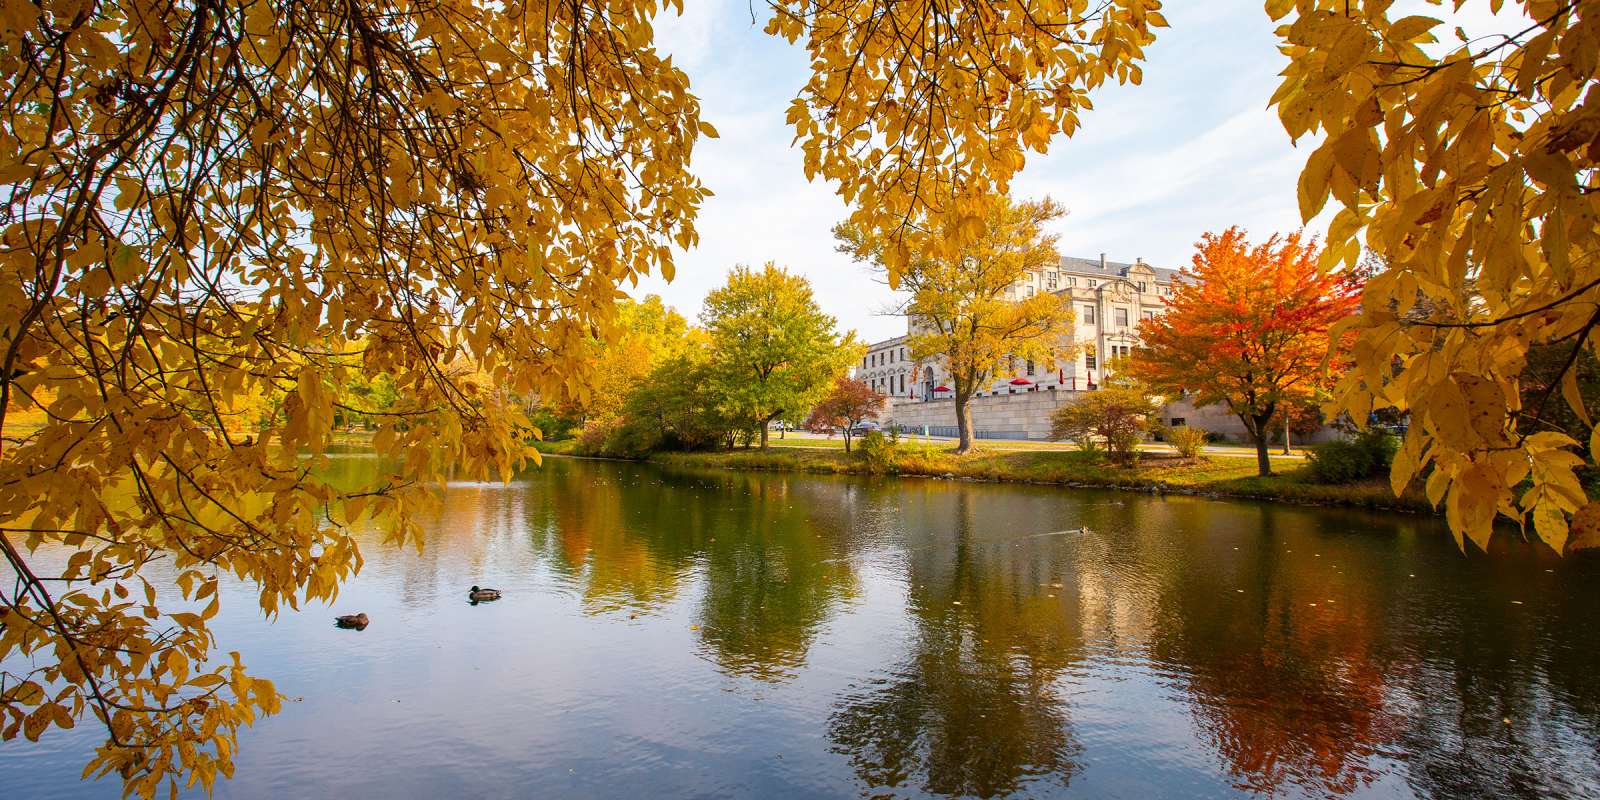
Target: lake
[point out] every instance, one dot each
(679, 633)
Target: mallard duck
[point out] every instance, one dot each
(357, 621)
(483, 595)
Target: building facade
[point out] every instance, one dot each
(1109, 300)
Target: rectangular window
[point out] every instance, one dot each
(1093, 283)
(1072, 281)
(1178, 422)
(1149, 315)
(1030, 291)
(1088, 315)
(1121, 316)
(1088, 361)
(1030, 366)
(1140, 284)
(1051, 280)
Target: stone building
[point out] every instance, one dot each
(1109, 300)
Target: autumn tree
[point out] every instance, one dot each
(645, 333)
(964, 309)
(202, 202)
(772, 349)
(205, 205)
(849, 404)
(1470, 168)
(1250, 327)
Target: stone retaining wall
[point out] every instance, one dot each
(1026, 415)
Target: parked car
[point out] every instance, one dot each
(865, 427)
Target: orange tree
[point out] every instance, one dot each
(850, 402)
(1249, 328)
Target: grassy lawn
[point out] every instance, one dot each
(1223, 476)
(837, 443)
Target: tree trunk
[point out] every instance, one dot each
(963, 424)
(847, 440)
(1286, 450)
(764, 424)
(1259, 432)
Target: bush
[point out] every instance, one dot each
(877, 452)
(592, 439)
(1365, 455)
(1186, 440)
(1118, 415)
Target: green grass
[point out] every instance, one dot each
(1221, 476)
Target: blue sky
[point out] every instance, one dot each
(1193, 149)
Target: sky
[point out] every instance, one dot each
(1152, 167)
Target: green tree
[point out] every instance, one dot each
(963, 309)
(772, 348)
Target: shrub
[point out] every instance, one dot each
(1365, 455)
(1186, 440)
(1119, 415)
(592, 439)
(878, 453)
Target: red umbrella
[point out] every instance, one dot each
(1021, 382)
(941, 388)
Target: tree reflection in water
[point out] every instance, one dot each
(1308, 652)
(973, 709)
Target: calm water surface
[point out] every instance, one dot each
(691, 634)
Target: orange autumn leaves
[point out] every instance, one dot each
(1252, 328)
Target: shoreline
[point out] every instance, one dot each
(1216, 477)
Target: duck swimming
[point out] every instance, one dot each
(356, 621)
(478, 595)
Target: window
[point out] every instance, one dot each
(1140, 286)
(902, 354)
(1072, 281)
(1030, 366)
(1093, 283)
(1178, 422)
(1088, 315)
(1148, 315)
(1088, 361)
(1121, 316)
(1051, 279)
(1030, 291)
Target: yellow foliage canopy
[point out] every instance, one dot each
(209, 207)
(927, 109)
(1470, 169)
